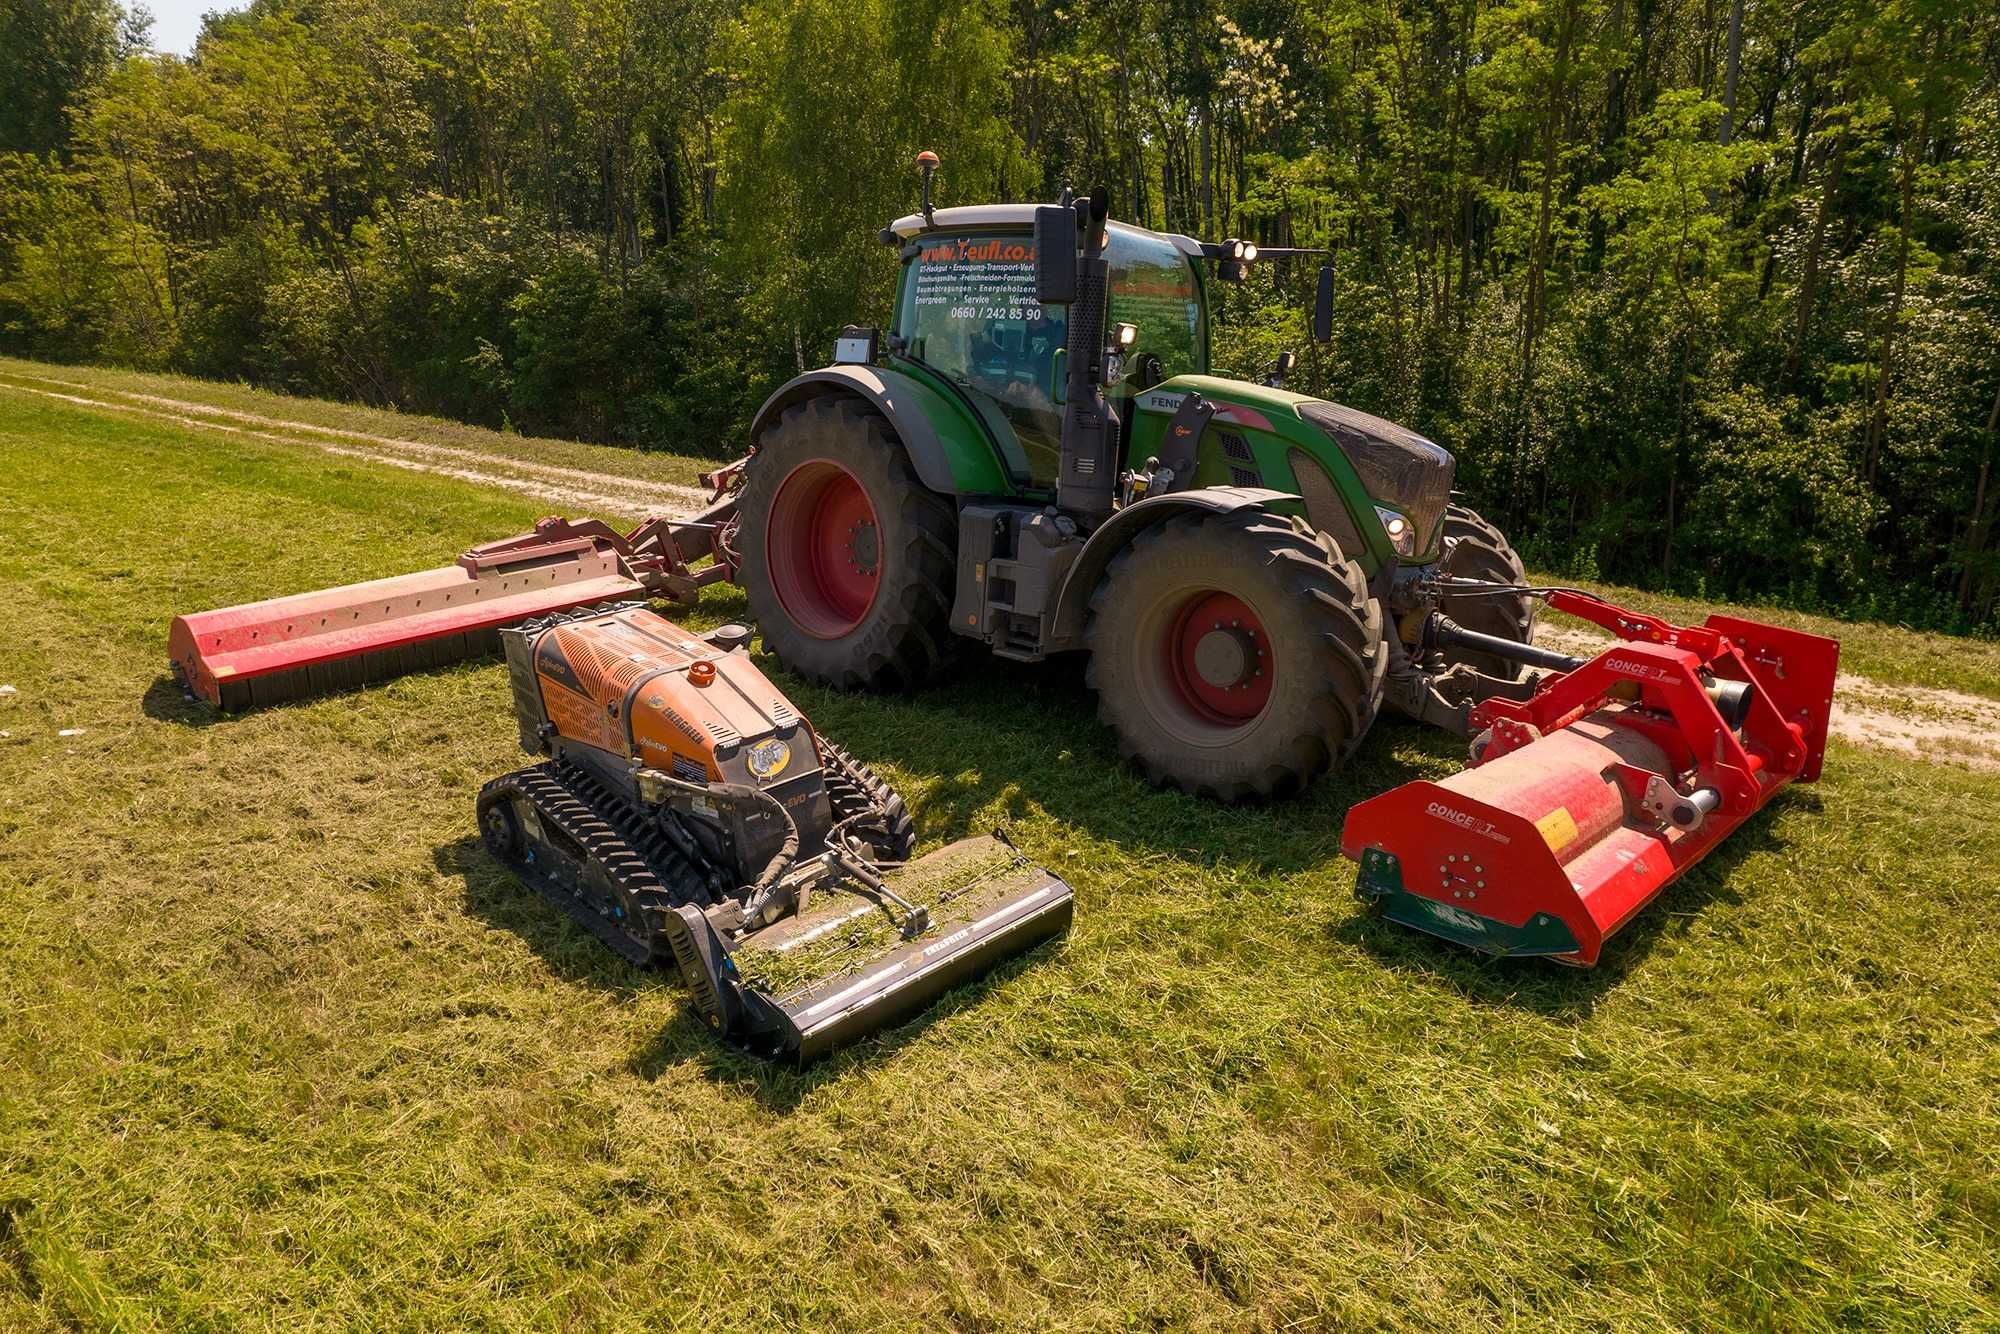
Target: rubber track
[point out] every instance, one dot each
(853, 788)
(591, 817)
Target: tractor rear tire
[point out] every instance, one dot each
(848, 560)
(1236, 656)
(1475, 549)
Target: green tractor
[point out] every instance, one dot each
(1035, 456)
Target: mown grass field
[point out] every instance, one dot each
(279, 1046)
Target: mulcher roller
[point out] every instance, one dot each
(687, 815)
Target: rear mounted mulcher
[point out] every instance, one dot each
(1587, 799)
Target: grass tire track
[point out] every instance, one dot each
(543, 481)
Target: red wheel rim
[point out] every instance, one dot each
(824, 549)
(1218, 660)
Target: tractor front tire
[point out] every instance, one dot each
(848, 560)
(1236, 656)
(1475, 549)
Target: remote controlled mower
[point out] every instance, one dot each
(1035, 457)
(686, 814)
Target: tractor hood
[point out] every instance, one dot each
(1396, 467)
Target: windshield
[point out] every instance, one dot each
(1153, 287)
(968, 311)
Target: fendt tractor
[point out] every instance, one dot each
(1035, 456)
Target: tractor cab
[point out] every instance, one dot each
(967, 317)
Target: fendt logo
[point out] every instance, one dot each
(1472, 824)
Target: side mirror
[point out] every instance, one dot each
(1055, 255)
(1322, 321)
(855, 346)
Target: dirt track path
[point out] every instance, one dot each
(1919, 721)
(571, 487)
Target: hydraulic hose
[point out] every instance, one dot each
(759, 892)
(766, 885)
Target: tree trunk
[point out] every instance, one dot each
(1809, 279)
(1733, 61)
(1207, 173)
(1980, 524)
(1551, 143)
(1878, 421)
(1533, 300)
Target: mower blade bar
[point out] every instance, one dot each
(978, 927)
(895, 987)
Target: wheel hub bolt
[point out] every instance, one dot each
(1223, 659)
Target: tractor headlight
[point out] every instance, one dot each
(1402, 535)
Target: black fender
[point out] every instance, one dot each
(1117, 532)
(886, 393)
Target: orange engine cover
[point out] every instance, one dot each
(636, 686)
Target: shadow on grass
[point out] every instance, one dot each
(572, 953)
(1003, 742)
(780, 1085)
(494, 895)
(1557, 990)
(168, 701)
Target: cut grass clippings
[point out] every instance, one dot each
(280, 1045)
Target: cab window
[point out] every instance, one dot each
(968, 311)
(1153, 287)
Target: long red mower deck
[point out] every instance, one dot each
(286, 648)
(337, 638)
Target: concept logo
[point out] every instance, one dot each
(1472, 824)
(1644, 671)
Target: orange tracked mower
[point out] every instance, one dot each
(685, 813)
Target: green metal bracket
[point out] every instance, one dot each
(1380, 885)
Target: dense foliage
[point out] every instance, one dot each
(1702, 293)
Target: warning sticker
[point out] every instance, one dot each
(1557, 828)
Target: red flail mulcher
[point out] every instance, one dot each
(1587, 799)
(310, 644)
